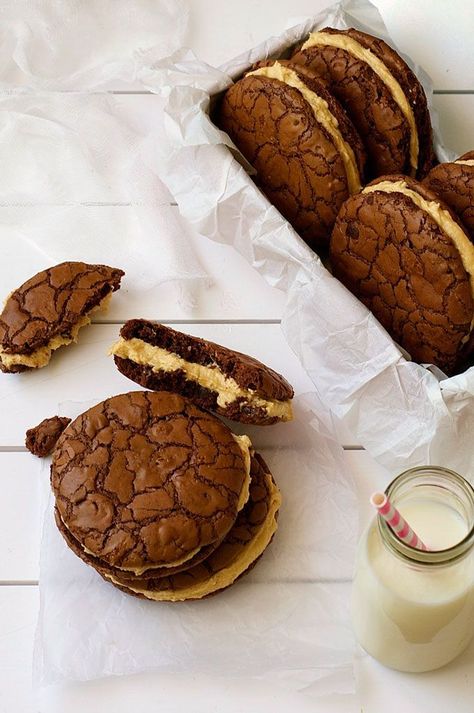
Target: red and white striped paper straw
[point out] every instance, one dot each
(396, 522)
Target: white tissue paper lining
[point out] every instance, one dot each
(76, 186)
(78, 45)
(287, 619)
(400, 411)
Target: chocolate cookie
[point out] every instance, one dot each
(454, 183)
(381, 95)
(216, 378)
(48, 310)
(307, 154)
(146, 480)
(128, 577)
(404, 253)
(242, 547)
(41, 439)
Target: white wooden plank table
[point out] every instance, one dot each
(236, 310)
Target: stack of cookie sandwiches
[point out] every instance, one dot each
(154, 491)
(341, 142)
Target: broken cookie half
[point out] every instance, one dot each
(216, 378)
(48, 311)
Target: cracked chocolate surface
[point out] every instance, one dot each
(370, 104)
(145, 479)
(51, 303)
(42, 439)
(249, 373)
(400, 263)
(126, 576)
(454, 183)
(246, 526)
(298, 166)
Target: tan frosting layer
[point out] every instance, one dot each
(323, 115)
(209, 377)
(468, 162)
(245, 445)
(349, 44)
(441, 216)
(228, 575)
(41, 357)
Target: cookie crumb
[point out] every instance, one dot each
(42, 439)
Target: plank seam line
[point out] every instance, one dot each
(84, 204)
(308, 580)
(441, 92)
(194, 321)
(20, 92)
(145, 92)
(344, 446)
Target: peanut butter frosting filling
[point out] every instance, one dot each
(209, 377)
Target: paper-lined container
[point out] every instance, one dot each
(403, 413)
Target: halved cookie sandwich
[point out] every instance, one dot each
(381, 95)
(48, 311)
(406, 255)
(252, 532)
(147, 484)
(454, 183)
(307, 154)
(232, 384)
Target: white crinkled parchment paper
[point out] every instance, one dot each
(400, 411)
(288, 619)
(76, 186)
(85, 44)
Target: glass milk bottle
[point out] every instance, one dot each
(413, 610)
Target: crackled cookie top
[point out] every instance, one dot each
(243, 545)
(251, 533)
(402, 251)
(454, 183)
(306, 153)
(146, 479)
(48, 310)
(381, 94)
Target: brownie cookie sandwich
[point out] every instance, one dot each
(216, 378)
(307, 154)
(48, 311)
(406, 255)
(244, 544)
(381, 95)
(454, 183)
(147, 484)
